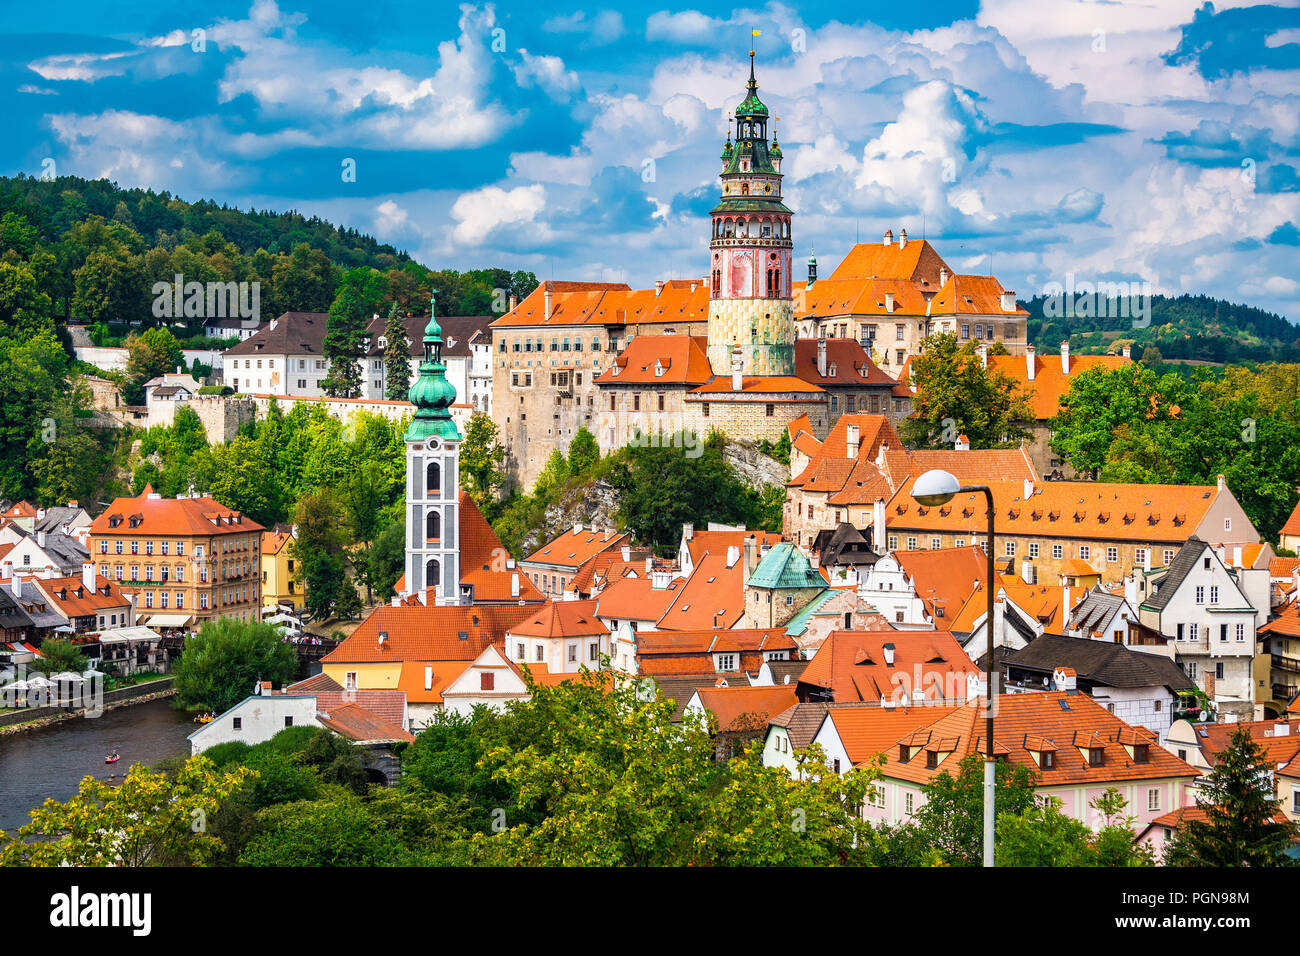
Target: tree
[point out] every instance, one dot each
(583, 451)
(59, 656)
(319, 550)
(553, 474)
(150, 354)
(1041, 835)
(388, 560)
(24, 308)
(1243, 824)
(244, 480)
(397, 358)
(223, 662)
(32, 376)
(344, 343)
(65, 458)
(482, 462)
(1100, 400)
(952, 816)
(151, 819)
(957, 395)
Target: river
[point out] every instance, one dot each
(51, 762)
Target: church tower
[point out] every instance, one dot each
(433, 477)
(750, 250)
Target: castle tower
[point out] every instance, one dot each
(433, 477)
(750, 250)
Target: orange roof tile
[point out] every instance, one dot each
(420, 633)
(712, 597)
(1050, 382)
(848, 364)
(355, 722)
(868, 729)
(1280, 749)
(1053, 718)
(609, 303)
(171, 516)
(746, 708)
(636, 599)
(759, 385)
(660, 360)
(441, 675)
(1070, 509)
(561, 619)
(1287, 622)
(852, 666)
(70, 597)
(273, 541)
(576, 546)
(916, 261)
(972, 295)
(945, 578)
(1292, 525)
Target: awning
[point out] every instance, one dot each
(169, 620)
(126, 634)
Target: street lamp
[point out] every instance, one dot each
(935, 488)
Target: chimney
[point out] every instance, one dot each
(659, 287)
(1126, 352)
(961, 444)
(902, 238)
(17, 586)
(1065, 357)
(1146, 559)
(889, 237)
(1236, 556)
(1064, 678)
(1027, 571)
(1282, 729)
(40, 539)
(737, 364)
(88, 575)
(688, 532)
(751, 558)
(889, 302)
(6, 570)
(1031, 360)
(660, 579)
(1028, 490)
(1008, 301)
(424, 596)
(72, 503)
(943, 276)
(733, 555)
(627, 552)
(514, 584)
(547, 299)
(649, 565)
(852, 441)
(889, 655)
(577, 528)
(397, 600)
(982, 350)
(514, 302)
(878, 525)
(1222, 483)
(1065, 605)
(821, 357)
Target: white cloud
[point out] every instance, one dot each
(479, 213)
(603, 28)
(547, 72)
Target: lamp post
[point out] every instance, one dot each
(935, 488)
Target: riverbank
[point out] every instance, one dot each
(18, 722)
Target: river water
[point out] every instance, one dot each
(51, 762)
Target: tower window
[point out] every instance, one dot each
(433, 527)
(433, 478)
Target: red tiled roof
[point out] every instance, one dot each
(610, 303)
(386, 704)
(682, 358)
(575, 547)
(1041, 719)
(1279, 748)
(851, 664)
(945, 578)
(746, 708)
(868, 729)
(712, 597)
(273, 541)
(561, 619)
(759, 385)
(846, 357)
(419, 633)
(357, 723)
(1292, 525)
(1050, 382)
(172, 516)
(76, 600)
(636, 599)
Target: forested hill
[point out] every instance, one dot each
(96, 251)
(1188, 327)
(55, 205)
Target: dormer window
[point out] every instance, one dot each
(931, 760)
(1095, 756)
(1141, 753)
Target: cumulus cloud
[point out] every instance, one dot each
(601, 29)
(480, 213)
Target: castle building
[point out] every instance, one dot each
(750, 250)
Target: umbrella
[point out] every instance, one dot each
(38, 681)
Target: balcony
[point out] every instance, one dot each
(1288, 664)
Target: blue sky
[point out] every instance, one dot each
(1154, 141)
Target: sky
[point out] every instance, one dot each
(1152, 141)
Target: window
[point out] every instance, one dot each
(771, 410)
(911, 543)
(1200, 595)
(487, 680)
(1033, 550)
(1140, 556)
(573, 653)
(726, 662)
(1214, 594)
(1192, 632)
(1048, 760)
(540, 652)
(288, 720)
(907, 803)
(1112, 554)
(1058, 551)
(1241, 632)
(237, 722)
(1085, 552)
(1218, 670)
(935, 544)
(1169, 556)
(893, 542)
(1153, 799)
(1223, 632)
(1011, 549)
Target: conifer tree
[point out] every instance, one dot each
(1243, 825)
(397, 365)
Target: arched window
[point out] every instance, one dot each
(432, 573)
(433, 527)
(744, 189)
(717, 283)
(433, 479)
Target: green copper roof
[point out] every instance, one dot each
(785, 566)
(432, 395)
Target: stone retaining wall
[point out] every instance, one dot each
(32, 718)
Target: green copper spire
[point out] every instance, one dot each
(432, 395)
